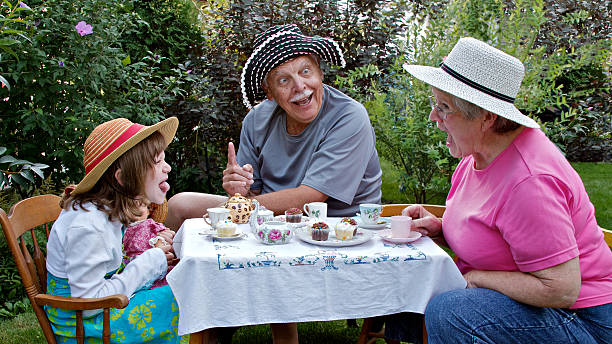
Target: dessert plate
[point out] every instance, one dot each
(332, 241)
(306, 221)
(386, 236)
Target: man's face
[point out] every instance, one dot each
(297, 86)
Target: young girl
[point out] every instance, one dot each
(142, 234)
(124, 163)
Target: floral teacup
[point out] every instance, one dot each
(274, 232)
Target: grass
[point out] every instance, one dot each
(596, 177)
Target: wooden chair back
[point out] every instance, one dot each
(29, 216)
(607, 236)
(396, 209)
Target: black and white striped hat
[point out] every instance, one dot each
(276, 46)
(482, 75)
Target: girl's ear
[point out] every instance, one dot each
(118, 176)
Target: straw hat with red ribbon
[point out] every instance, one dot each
(110, 139)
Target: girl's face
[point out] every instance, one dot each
(156, 185)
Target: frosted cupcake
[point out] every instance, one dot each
(320, 231)
(293, 215)
(352, 222)
(226, 228)
(344, 231)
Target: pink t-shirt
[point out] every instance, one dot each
(527, 211)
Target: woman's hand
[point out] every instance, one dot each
(423, 221)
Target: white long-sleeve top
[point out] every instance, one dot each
(84, 246)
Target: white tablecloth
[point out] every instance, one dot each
(245, 282)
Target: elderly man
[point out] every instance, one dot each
(307, 142)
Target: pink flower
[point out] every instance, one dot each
(83, 28)
(23, 4)
(188, 71)
(274, 234)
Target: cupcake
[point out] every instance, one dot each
(344, 231)
(352, 222)
(320, 231)
(226, 228)
(293, 215)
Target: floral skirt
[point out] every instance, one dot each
(150, 317)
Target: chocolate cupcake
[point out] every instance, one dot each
(320, 231)
(293, 215)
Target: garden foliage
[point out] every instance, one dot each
(72, 65)
(566, 89)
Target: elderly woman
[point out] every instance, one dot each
(517, 216)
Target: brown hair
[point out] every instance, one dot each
(118, 201)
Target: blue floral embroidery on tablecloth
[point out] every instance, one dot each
(309, 259)
(264, 259)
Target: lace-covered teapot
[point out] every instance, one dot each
(240, 208)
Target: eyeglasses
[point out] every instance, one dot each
(441, 113)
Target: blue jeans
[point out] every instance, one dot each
(486, 316)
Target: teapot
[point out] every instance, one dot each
(259, 215)
(240, 208)
(266, 229)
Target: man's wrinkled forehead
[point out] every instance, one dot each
(311, 58)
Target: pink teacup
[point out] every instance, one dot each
(400, 226)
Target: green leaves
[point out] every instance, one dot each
(18, 172)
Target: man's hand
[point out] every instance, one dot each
(236, 179)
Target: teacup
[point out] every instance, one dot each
(370, 213)
(214, 215)
(317, 210)
(400, 226)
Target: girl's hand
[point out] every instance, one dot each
(168, 235)
(169, 252)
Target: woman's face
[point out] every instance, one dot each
(464, 136)
(156, 185)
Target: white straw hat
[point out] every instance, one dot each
(482, 75)
(277, 45)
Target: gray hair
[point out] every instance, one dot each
(472, 111)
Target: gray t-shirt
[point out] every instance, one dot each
(335, 154)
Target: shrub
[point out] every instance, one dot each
(68, 81)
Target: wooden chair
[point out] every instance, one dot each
(34, 214)
(607, 236)
(367, 334)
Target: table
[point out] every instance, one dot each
(245, 282)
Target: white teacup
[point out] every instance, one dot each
(370, 213)
(215, 215)
(400, 226)
(317, 210)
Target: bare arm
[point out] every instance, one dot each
(555, 287)
(282, 200)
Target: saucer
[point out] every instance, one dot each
(386, 236)
(236, 236)
(382, 224)
(214, 235)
